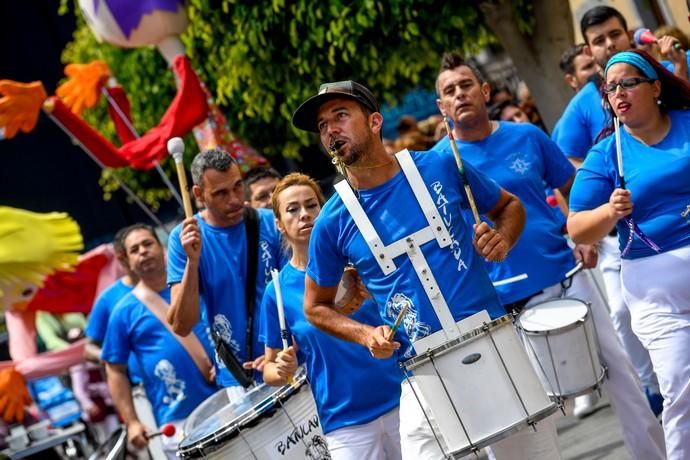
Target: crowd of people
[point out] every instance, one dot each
(400, 235)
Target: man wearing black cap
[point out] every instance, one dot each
(384, 219)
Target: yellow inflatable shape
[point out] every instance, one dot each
(33, 246)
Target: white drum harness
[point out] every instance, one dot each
(410, 244)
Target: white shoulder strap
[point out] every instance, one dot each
(365, 227)
(423, 197)
(190, 343)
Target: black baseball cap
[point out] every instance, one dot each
(305, 116)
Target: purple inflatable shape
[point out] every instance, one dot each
(128, 13)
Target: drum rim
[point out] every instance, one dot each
(573, 394)
(204, 446)
(469, 336)
(574, 325)
(512, 429)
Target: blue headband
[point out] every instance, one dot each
(635, 60)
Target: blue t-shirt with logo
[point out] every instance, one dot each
(222, 274)
(581, 122)
(658, 178)
(350, 387)
(172, 381)
(521, 158)
(99, 317)
(395, 214)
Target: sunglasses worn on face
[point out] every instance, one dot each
(625, 83)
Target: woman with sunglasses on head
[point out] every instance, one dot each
(356, 396)
(650, 209)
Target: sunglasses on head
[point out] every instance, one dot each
(625, 83)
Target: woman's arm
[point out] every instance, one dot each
(590, 226)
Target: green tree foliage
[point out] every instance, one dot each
(261, 59)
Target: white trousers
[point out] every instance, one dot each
(642, 434)
(610, 266)
(376, 440)
(170, 444)
(418, 441)
(657, 290)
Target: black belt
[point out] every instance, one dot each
(514, 308)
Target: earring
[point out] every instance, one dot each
(658, 102)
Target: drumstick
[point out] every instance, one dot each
(281, 313)
(176, 149)
(577, 268)
(458, 160)
(619, 152)
(397, 322)
(167, 430)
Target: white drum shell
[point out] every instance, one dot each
(274, 436)
(565, 358)
(477, 404)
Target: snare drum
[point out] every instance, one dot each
(561, 342)
(480, 387)
(268, 423)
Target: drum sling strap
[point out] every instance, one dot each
(244, 376)
(190, 343)
(411, 244)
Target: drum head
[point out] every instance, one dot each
(552, 314)
(218, 420)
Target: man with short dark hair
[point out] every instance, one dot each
(258, 186)
(577, 66)
(210, 256)
(176, 379)
(379, 191)
(521, 158)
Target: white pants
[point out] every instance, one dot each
(142, 406)
(657, 290)
(610, 266)
(418, 441)
(376, 440)
(642, 434)
(170, 444)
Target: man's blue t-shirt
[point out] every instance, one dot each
(395, 214)
(103, 308)
(521, 158)
(350, 387)
(99, 317)
(582, 121)
(222, 274)
(657, 177)
(172, 381)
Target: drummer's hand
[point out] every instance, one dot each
(190, 237)
(489, 243)
(378, 344)
(286, 362)
(587, 254)
(620, 203)
(136, 434)
(355, 292)
(257, 364)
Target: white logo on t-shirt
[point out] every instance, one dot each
(174, 387)
(414, 328)
(520, 165)
(222, 327)
(447, 216)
